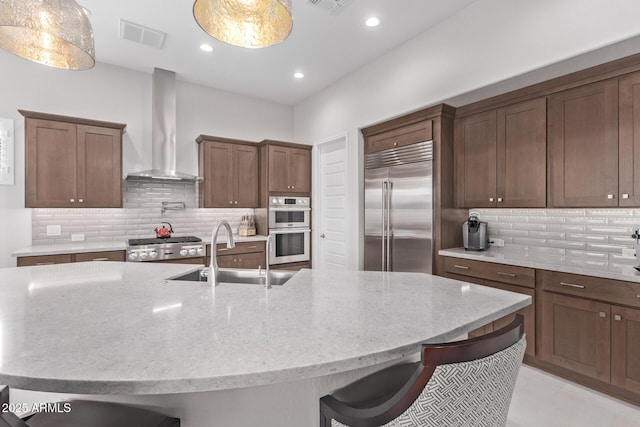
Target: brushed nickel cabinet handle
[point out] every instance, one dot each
(45, 263)
(500, 273)
(235, 203)
(603, 314)
(293, 186)
(72, 200)
(611, 196)
(81, 200)
(100, 259)
(222, 250)
(500, 199)
(252, 247)
(491, 199)
(625, 196)
(464, 267)
(617, 317)
(230, 202)
(571, 285)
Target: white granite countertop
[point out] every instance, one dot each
(80, 247)
(552, 263)
(121, 328)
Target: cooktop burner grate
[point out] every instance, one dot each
(159, 241)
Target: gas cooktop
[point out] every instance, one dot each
(161, 241)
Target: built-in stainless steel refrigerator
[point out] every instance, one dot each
(398, 193)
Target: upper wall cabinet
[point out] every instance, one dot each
(500, 157)
(399, 137)
(629, 141)
(72, 162)
(287, 167)
(583, 146)
(230, 171)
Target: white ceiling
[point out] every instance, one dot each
(324, 47)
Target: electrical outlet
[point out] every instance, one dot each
(629, 253)
(497, 242)
(77, 237)
(54, 230)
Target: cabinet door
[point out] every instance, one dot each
(51, 150)
(475, 158)
(300, 173)
(575, 334)
(218, 165)
(43, 260)
(100, 256)
(629, 141)
(99, 167)
(583, 146)
(245, 184)
(251, 260)
(529, 313)
(522, 155)
(227, 261)
(625, 348)
(279, 165)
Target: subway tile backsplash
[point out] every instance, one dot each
(140, 215)
(596, 235)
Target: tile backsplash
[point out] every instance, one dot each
(594, 236)
(140, 215)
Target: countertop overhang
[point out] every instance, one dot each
(121, 328)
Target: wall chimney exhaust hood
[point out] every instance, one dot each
(163, 132)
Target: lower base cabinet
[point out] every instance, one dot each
(625, 348)
(67, 258)
(244, 255)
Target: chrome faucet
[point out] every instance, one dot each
(213, 265)
(267, 277)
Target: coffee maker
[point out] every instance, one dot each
(474, 234)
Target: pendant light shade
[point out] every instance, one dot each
(56, 33)
(245, 23)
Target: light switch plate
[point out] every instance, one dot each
(54, 230)
(497, 242)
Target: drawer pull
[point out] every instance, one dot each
(252, 247)
(45, 263)
(100, 259)
(500, 273)
(222, 250)
(617, 317)
(464, 267)
(571, 285)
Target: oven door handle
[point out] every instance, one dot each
(301, 209)
(291, 231)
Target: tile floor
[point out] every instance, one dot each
(544, 400)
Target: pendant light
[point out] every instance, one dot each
(245, 23)
(56, 33)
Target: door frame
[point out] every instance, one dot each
(317, 200)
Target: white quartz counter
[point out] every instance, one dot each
(121, 328)
(552, 263)
(80, 247)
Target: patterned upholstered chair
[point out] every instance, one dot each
(86, 413)
(464, 383)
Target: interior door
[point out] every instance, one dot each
(374, 181)
(411, 217)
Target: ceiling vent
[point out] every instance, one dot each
(334, 7)
(140, 34)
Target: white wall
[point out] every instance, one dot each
(119, 95)
(488, 42)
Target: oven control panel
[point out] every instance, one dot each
(164, 252)
(289, 201)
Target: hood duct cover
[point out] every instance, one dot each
(163, 131)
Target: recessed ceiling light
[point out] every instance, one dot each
(206, 47)
(298, 75)
(372, 22)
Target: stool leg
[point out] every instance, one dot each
(4, 395)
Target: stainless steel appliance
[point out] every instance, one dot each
(474, 234)
(289, 228)
(158, 249)
(398, 191)
(291, 245)
(289, 212)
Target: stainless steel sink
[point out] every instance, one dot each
(240, 275)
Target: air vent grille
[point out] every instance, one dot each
(333, 7)
(419, 152)
(141, 34)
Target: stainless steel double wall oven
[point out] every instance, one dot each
(290, 229)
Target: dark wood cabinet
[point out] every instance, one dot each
(230, 169)
(575, 334)
(475, 146)
(399, 137)
(289, 169)
(72, 162)
(629, 141)
(501, 157)
(583, 146)
(243, 255)
(625, 348)
(68, 258)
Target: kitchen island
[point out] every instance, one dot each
(235, 354)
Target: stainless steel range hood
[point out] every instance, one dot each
(163, 132)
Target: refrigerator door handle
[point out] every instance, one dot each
(389, 233)
(382, 234)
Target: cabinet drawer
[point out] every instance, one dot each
(511, 274)
(613, 291)
(43, 260)
(406, 135)
(100, 256)
(241, 248)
